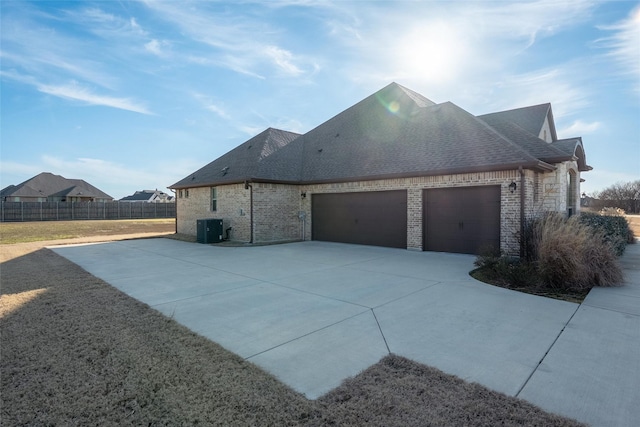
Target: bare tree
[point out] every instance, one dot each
(623, 195)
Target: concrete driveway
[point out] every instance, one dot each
(315, 313)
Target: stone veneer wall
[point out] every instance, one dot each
(277, 206)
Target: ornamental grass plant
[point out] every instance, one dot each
(573, 255)
(561, 257)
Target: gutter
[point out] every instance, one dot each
(175, 196)
(538, 165)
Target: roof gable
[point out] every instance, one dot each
(573, 147)
(531, 119)
(242, 163)
(526, 140)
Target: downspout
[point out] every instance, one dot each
(521, 211)
(248, 186)
(175, 197)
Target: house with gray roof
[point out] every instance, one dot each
(396, 169)
(149, 196)
(47, 187)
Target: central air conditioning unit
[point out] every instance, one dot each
(209, 230)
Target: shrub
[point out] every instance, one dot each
(573, 255)
(615, 229)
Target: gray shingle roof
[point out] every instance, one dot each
(47, 184)
(145, 195)
(573, 147)
(528, 141)
(394, 132)
(530, 118)
(242, 163)
(368, 141)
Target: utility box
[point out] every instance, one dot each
(209, 230)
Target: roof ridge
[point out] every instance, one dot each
(420, 100)
(516, 109)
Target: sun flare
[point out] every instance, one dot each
(434, 52)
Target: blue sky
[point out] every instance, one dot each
(132, 95)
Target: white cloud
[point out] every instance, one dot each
(76, 92)
(579, 128)
(237, 42)
(97, 15)
(208, 104)
(556, 85)
(283, 59)
(219, 111)
(156, 47)
(624, 44)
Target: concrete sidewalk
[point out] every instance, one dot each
(315, 313)
(592, 372)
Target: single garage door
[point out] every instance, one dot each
(376, 218)
(461, 220)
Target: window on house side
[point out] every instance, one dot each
(180, 194)
(214, 199)
(571, 193)
(186, 193)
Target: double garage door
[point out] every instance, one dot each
(454, 219)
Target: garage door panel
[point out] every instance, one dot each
(462, 220)
(376, 218)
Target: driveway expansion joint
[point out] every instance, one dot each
(306, 335)
(547, 352)
(380, 328)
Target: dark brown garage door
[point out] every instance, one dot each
(376, 218)
(461, 220)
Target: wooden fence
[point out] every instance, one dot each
(71, 211)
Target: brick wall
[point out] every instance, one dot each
(510, 213)
(233, 208)
(277, 206)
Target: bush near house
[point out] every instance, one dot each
(563, 257)
(614, 225)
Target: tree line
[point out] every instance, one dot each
(622, 195)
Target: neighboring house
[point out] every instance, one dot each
(397, 170)
(589, 202)
(149, 196)
(47, 187)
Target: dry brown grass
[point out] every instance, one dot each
(20, 232)
(634, 224)
(76, 351)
